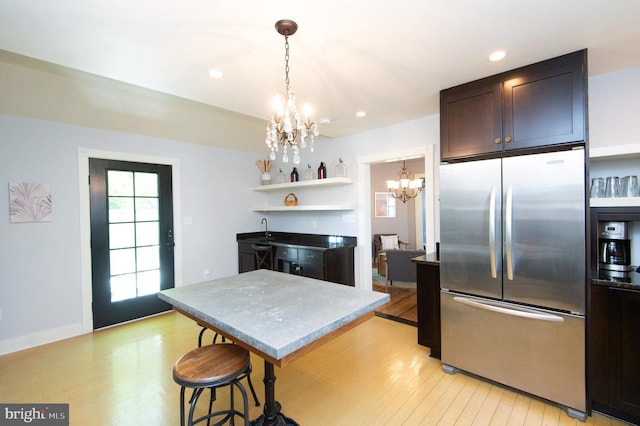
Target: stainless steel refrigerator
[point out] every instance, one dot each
(513, 273)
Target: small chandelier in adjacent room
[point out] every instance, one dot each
(286, 127)
(405, 188)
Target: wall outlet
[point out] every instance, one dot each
(313, 224)
(206, 273)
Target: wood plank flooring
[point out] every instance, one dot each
(375, 374)
(403, 302)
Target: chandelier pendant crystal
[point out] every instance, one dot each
(287, 127)
(406, 187)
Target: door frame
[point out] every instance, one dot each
(85, 219)
(365, 205)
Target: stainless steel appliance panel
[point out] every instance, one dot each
(544, 230)
(470, 227)
(539, 351)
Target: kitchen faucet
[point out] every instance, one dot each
(266, 227)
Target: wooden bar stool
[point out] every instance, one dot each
(247, 375)
(263, 256)
(212, 367)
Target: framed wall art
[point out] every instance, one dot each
(29, 202)
(384, 205)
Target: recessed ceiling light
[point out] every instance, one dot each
(360, 114)
(215, 73)
(497, 56)
(325, 120)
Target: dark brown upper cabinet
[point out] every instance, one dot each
(539, 105)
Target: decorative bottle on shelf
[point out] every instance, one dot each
(322, 171)
(341, 169)
(280, 177)
(308, 173)
(294, 175)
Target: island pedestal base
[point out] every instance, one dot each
(271, 415)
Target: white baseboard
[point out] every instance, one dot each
(41, 338)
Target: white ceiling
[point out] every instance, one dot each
(388, 58)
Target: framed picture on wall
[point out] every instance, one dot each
(384, 205)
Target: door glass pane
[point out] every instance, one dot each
(146, 208)
(123, 287)
(119, 183)
(146, 184)
(121, 236)
(148, 258)
(147, 233)
(148, 282)
(121, 209)
(122, 261)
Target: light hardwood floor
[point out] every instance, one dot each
(375, 374)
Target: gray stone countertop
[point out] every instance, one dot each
(274, 312)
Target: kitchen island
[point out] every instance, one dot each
(279, 317)
(324, 257)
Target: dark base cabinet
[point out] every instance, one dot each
(428, 299)
(309, 255)
(614, 379)
(246, 257)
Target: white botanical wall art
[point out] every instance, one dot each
(29, 202)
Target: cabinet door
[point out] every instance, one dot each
(246, 257)
(624, 337)
(544, 104)
(312, 263)
(598, 319)
(471, 119)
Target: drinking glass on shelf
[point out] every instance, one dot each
(630, 186)
(597, 188)
(612, 187)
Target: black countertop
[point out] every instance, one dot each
(427, 259)
(314, 241)
(632, 281)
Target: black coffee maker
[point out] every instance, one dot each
(614, 249)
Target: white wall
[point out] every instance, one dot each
(614, 108)
(40, 283)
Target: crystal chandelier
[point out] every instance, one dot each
(286, 127)
(405, 188)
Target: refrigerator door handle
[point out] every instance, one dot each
(509, 311)
(508, 229)
(492, 232)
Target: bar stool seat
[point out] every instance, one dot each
(242, 376)
(212, 367)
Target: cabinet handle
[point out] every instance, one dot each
(310, 256)
(507, 139)
(497, 140)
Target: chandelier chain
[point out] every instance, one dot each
(286, 62)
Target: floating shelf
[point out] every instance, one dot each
(336, 181)
(616, 151)
(325, 207)
(615, 202)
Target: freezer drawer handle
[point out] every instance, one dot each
(514, 312)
